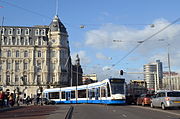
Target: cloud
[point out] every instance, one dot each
(84, 59)
(102, 56)
(129, 38)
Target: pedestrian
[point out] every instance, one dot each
(1, 98)
(28, 100)
(11, 99)
(6, 99)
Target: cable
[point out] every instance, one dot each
(178, 19)
(33, 12)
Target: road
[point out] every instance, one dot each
(90, 111)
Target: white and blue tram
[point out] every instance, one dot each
(108, 91)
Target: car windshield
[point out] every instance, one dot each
(173, 94)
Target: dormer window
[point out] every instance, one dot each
(27, 32)
(18, 31)
(2, 31)
(37, 32)
(10, 32)
(43, 32)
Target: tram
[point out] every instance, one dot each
(108, 91)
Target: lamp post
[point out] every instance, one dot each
(169, 65)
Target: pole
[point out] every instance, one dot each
(155, 81)
(169, 67)
(77, 84)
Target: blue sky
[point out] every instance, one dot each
(128, 21)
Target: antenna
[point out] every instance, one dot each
(57, 2)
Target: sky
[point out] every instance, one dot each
(112, 33)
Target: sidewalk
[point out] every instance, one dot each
(9, 108)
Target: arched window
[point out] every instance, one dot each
(26, 53)
(27, 31)
(8, 53)
(37, 32)
(17, 53)
(39, 53)
(18, 31)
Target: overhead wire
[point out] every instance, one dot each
(148, 38)
(19, 7)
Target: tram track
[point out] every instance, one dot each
(69, 113)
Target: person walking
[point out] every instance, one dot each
(1, 98)
(11, 99)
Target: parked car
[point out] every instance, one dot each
(48, 102)
(44, 101)
(144, 99)
(166, 99)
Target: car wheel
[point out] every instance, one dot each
(152, 106)
(163, 106)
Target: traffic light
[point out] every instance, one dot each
(121, 72)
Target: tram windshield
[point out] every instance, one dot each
(117, 86)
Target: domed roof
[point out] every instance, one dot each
(56, 25)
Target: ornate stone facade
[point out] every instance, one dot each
(34, 57)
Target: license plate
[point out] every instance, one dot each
(176, 101)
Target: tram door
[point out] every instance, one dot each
(97, 93)
(68, 95)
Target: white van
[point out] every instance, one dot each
(165, 99)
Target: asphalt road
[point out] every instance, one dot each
(92, 111)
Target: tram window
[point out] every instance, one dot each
(91, 93)
(103, 91)
(54, 95)
(81, 93)
(63, 95)
(72, 94)
(108, 90)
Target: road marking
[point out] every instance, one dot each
(158, 110)
(124, 115)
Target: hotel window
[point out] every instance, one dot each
(39, 53)
(53, 53)
(8, 66)
(10, 32)
(13, 40)
(25, 53)
(16, 66)
(22, 41)
(0, 67)
(30, 41)
(38, 79)
(5, 40)
(17, 40)
(25, 66)
(8, 53)
(43, 32)
(3, 31)
(0, 79)
(38, 67)
(37, 32)
(16, 78)
(39, 41)
(26, 41)
(18, 31)
(8, 79)
(27, 32)
(17, 53)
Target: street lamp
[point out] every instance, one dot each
(169, 66)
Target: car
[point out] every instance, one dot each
(144, 99)
(44, 101)
(47, 101)
(166, 99)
